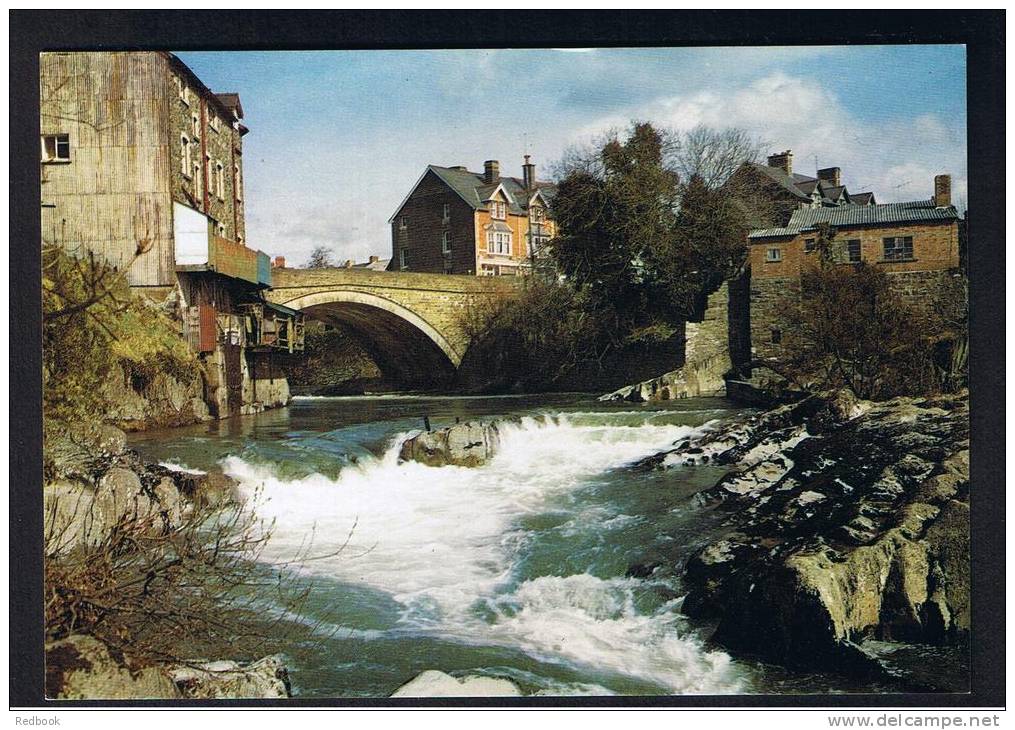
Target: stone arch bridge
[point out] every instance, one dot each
(412, 324)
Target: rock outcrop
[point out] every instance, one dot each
(464, 444)
(844, 521)
(433, 683)
(81, 667)
(266, 678)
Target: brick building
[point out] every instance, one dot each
(454, 221)
(916, 242)
(142, 166)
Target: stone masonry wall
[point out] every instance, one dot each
(706, 359)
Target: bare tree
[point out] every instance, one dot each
(321, 258)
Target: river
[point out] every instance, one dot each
(537, 567)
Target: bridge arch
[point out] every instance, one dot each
(402, 343)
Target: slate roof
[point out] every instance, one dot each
(862, 198)
(474, 190)
(845, 216)
(782, 179)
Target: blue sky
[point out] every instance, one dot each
(338, 137)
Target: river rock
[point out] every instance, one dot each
(463, 444)
(855, 528)
(81, 667)
(433, 683)
(266, 678)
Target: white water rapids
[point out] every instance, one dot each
(441, 541)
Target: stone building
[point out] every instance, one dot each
(142, 166)
(916, 242)
(788, 191)
(454, 221)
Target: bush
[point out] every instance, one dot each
(849, 328)
(91, 325)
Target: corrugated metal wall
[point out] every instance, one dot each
(115, 191)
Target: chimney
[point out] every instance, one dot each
(491, 171)
(942, 191)
(373, 259)
(347, 264)
(528, 174)
(278, 263)
(783, 160)
(831, 175)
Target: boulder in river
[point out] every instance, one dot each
(463, 444)
(266, 678)
(81, 667)
(433, 683)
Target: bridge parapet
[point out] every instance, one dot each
(392, 309)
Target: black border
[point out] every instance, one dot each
(981, 31)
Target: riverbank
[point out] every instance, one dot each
(845, 536)
(125, 540)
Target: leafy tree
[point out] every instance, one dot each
(644, 243)
(321, 257)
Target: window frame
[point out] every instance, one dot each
(810, 245)
(215, 122)
(237, 183)
(446, 214)
(895, 255)
(402, 224)
(59, 139)
(849, 251)
(446, 242)
(186, 157)
(403, 258)
(776, 259)
(220, 180)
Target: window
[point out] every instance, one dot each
(214, 122)
(538, 214)
(898, 248)
(198, 182)
(776, 336)
(183, 90)
(185, 160)
(220, 181)
(446, 242)
(221, 230)
(195, 126)
(773, 255)
(498, 210)
(237, 183)
(447, 212)
(536, 243)
(809, 244)
(853, 250)
(402, 225)
(403, 258)
(497, 242)
(56, 148)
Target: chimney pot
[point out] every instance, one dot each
(279, 262)
(528, 174)
(942, 191)
(491, 171)
(783, 160)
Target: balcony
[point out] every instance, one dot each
(198, 249)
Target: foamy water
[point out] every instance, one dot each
(448, 545)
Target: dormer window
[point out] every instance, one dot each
(498, 210)
(538, 214)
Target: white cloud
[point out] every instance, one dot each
(896, 159)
